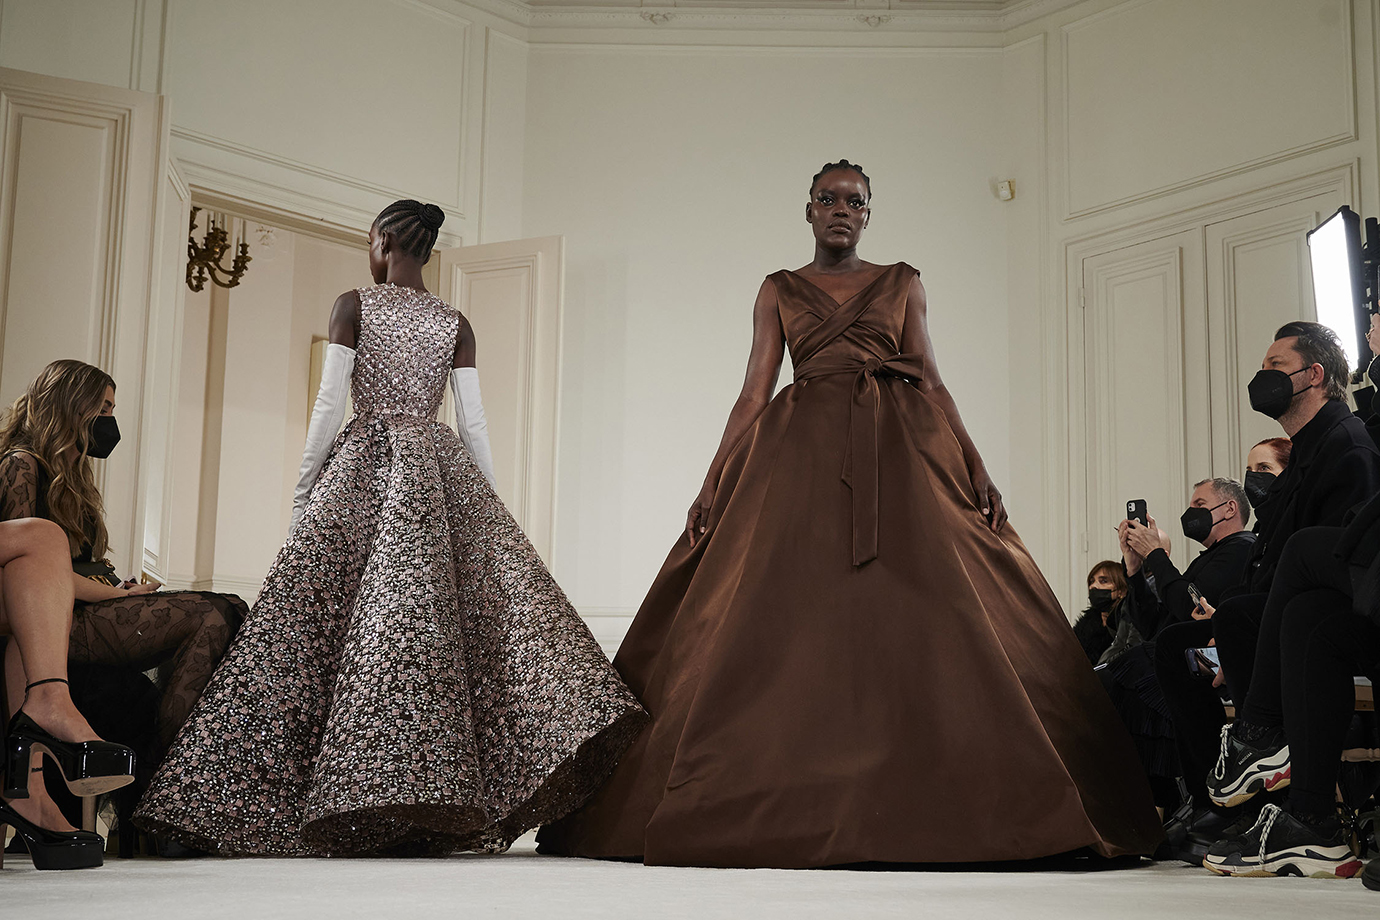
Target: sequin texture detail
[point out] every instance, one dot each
(411, 679)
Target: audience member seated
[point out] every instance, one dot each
(1316, 633)
(1097, 626)
(1217, 516)
(1265, 463)
(46, 445)
(1367, 400)
(36, 612)
(1334, 466)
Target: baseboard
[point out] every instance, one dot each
(181, 581)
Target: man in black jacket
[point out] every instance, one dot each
(1334, 466)
(1217, 516)
(1158, 594)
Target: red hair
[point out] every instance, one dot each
(1280, 447)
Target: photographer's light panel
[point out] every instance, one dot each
(1335, 251)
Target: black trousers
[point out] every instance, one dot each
(1311, 645)
(1236, 627)
(1193, 703)
(1309, 583)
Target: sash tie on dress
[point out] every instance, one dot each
(860, 457)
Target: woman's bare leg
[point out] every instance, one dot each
(36, 611)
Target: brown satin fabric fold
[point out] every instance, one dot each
(860, 459)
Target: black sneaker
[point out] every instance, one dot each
(1189, 842)
(1281, 844)
(1246, 767)
(1371, 876)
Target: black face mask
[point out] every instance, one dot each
(1373, 371)
(1272, 391)
(1198, 522)
(1099, 598)
(103, 436)
(1257, 485)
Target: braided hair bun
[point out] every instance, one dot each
(413, 226)
(431, 216)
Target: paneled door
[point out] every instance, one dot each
(1146, 418)
(81, 178)
(511, 293)
(1259, 278)
(163, 368)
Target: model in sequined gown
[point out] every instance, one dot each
(411, 679)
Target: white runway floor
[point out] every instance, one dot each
(521, 884)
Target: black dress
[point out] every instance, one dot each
(182, 634)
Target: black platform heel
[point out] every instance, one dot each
(88, 767)
(53, 849)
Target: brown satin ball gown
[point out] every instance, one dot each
(850, 666)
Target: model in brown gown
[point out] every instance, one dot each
(847, 656)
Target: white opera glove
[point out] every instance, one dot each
(326, 417)
(469, 419)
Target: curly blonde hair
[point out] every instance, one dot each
(52, 421)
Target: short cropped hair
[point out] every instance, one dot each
(1114, 570)
(1318, 344)
(1229, 490)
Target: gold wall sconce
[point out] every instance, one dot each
(204, 259)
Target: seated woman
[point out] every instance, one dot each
(47, 442)
(36, 612)
(1096, 628)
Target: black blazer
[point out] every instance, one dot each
(1214, 572)
(1334, 467)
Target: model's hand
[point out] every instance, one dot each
(989, 500)
(1373, 334)
(1129, 556)
(1144, 540)
(134, 588)
(698, 517)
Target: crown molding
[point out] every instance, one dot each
(546, 22)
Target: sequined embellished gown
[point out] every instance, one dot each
(850, 666)
(411, 680)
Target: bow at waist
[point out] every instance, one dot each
(860, 457)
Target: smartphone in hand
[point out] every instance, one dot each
(1202, 662)
(1136, 510)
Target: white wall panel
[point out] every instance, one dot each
(1146, 385)
(511, 293)
(62, 193)
(505, 117)
(1167, 93)
(249, 524)
(92, 40)
(1259, 278)
(372, 96)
